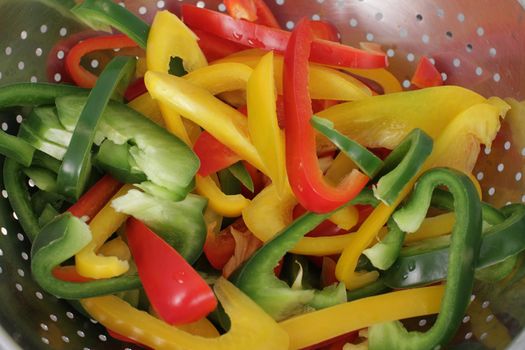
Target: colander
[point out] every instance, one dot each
(474, 43)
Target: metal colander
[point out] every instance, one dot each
(478, 44)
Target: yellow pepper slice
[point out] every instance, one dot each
(496, 334)
(221, 77)
(324, 82)
(384, 120)
(314, 327)
(383, 77)
(267, 138)
(251, 327)
(202, 327)
(456, 147)
(145, 105)
(226, 205)
(116, 247)
(340, 167)
(433, 227)
(222, 121)
(169, 37)
(102, 226)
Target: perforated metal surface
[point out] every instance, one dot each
(476, 44)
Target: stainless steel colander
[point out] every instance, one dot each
(478, 44)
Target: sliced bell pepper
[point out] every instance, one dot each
(245, 246)
(176, 291)
(464, 250)
(219, 246)
(262, 121)
(81, 76)
(213, 155)
(224, 122)
(426, 262)
(100, 14)
(75, 167)
(426, 75)
(252, 10)
(102, 226)
(259, 36)
(214, 47)
(227, 205)
(95, 198)
(150, 331)
(386, 80)
(324, 82)
(306, 180)
(16, 148)
(135, 89)
(34, 94)
(146, 106)
(256, 277)
(57, 242)
(304, 330)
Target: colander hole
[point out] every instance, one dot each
(15, 216)
(39, 295)
(469, 48)
(370, 37)
(4, 126)
(487, 150)
(20, 237)
(316, 17)
(492, 52)
(38, 52)
(43, 28)
(33, 79)
(161, 4)
(4, 194)
(466, 319)
(102, 337)
(468, 335)
(65, 339)
(425, 38)
(19, 118)
(31, 183)
(0, 75)
(60, 54)
(449, 34)
(403, 33)
(507, 145)
(491, 191)
(390, 53)
(290, 25)
(489, 318)
(62, 31)
(483, 336)
(1, 252)
(456, 62)
(221, 7)
(496, 77)
(479, 71)
(8, 50)
(57, 77)
(444, 76)
(81, 334)
(93, 321)
(419, 17)
(143, 10)
(411, 57)
(53, 317)
(44, 327)
(86, 349)
(45, 340)
(461, 17)
(440, 12)
(485, 304)
(24, 256)
(353, 22)
(378, 16)
(21, 272)
(422, 322)
(1, 270)
(480, 31)
(21, 65)
(70, 315)
(501, 167)
(202, 4)
(518, 176)
(406, 84)
(122, 4)
(94, 63)
(23, 35)
(19, 287)
(433, 61)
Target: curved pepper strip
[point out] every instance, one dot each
(34, 94)
(482, 130)
(262, 121)
(146, 106)
(244, 333)
(306, 179)
(464, 250)
(305, 330)
(222, 121)
(221, 77)
(427, 262)
(102, 226)
(58, 241)
(324, 82)
(257, 279)
(381, 76)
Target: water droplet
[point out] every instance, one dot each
(411, 266)
(405, 276)
(237, 36)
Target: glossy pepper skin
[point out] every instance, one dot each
(176, 291)
(306, 179)
(464, 250)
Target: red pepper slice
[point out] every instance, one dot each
(79, 74)
(219, 248)
(325, 228)
(252, 10)
(325, 30)
(69, 274)
(426, 75)
(306, 179)
(259, 36)
(135, 89)
(176, 291)
(214, 47)
(265, 15)
(213, 154)
(95, 198)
